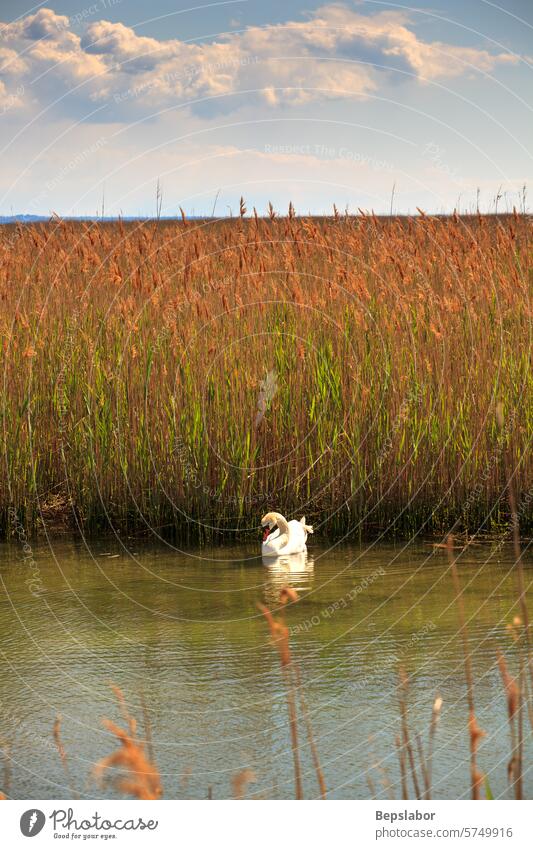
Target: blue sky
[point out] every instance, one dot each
(314, 102)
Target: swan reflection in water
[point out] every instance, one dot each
(292, 570)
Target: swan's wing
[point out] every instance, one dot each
(297, 532)
(307, 528)
(275, 542)
(281, 541)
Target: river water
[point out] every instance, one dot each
(182, 632)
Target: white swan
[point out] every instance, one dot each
(281, 537)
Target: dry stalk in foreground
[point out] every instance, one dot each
(280, 637)
(310, 734)
(406, 739)
(525, 636)
(514, 700)
(403, 773)
(475, 732)
(132, 771)
(6, 754)
(63, 754)
(517, 691)
(435, 714)
(407, 753)
(291, 675)
(382, 771)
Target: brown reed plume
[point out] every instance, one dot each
(129, 768)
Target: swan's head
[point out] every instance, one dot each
(269, 523)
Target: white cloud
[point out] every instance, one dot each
(385, 39)
(337, 52)
(41, 47)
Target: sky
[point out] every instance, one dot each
(369, 105)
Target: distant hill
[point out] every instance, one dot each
(33, 219)
(24, 219)
(30, 219)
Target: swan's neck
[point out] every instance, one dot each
(282, 523)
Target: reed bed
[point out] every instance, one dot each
(185, 376)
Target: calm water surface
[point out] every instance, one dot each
(184, 629)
